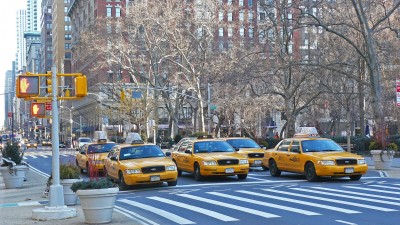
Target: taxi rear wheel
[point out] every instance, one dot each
(122, 184)
(197, 173)
(179, 171)
(310, 173)
(355, 177)
(172, 183)
(273, 169)
(77, 164)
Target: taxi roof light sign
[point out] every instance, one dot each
(306, 132)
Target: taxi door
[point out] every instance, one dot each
(294, 157)
(185, 157)
(110, 163)
(81, 157)
(281, 154)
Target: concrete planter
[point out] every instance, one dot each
(382, 159)
(98, 204)
(14, 177)
(70, 198)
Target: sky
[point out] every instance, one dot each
(8, 43)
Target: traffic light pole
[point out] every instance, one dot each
(56, 208)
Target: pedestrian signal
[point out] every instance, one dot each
(38, 109)
(27, 86)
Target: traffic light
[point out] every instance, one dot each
(27, 86)
(48, 84)
(80, 86)
(38, 109)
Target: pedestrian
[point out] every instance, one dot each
(276, 135)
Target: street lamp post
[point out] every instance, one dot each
(70, 122)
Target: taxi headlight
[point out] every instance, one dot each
(170, 168)
(326, 162)
(134, 171)
(210, 163)
(244, 161)
(361, 161)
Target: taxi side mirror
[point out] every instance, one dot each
(168, 154)
(83, 152)
(113, 158)
(237, 149)
(188, 151)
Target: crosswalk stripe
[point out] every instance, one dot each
(170, 216)
(206, 212)
(250, 177)
(354, 197)
(329, 200)
(24, 158)
(383, 186)
(223, 204)
(372, 189)
(357, 193)
(33, 156)
(343, 210)
(291, 209)
(135, 216)
(44, 156)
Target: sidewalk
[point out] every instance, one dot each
(394, 171)
(16, 205)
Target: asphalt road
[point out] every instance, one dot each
(260, 199)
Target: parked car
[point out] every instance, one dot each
(140, 163)
(32, 144)
(83, 140)
(314, 157)
(206, 156)
(46, 142)
(62, 145)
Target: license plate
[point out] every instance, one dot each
(229, 170)
(349, 170)
(154, 178)
(257, 162)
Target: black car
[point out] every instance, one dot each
(62, 145)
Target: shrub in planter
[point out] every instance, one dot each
(13, 153)
(69, 172)
(13, 169)
(100, 183)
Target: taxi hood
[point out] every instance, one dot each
(143, 162)
(333, 155)
(221, 155)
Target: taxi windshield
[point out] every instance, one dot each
(143, 151)
(243, 143)
(320, 146)
(212, 146)
(100, 148)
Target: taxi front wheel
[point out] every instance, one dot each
(122, 184)
(355, 177)
(197, 173)
(172, 183)
(242, 176)
(273, 169)
(310, 173)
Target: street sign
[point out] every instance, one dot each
(398, 93)
(48, 105)
(10, 114)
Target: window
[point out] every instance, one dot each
(220, 16)
(229, 2)
(68, 55)
(230, 16)
(289, 16)
(250, 2)
(117, 12)
(230, 31)
(65, 9)
(67, 46)
(251, 32)
(241, 2)
(67, 37)
(67, 28)
(241, 32)
(284, 146)
(251, 16)
(67, 19)
(262, 16)
(221, 32)
(108, 12)
(241, 15)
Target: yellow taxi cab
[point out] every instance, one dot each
(314, 157)
(248, 147)
(206, 156)
(91, 156)
(140, 163)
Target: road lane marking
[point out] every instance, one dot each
(352, 197)
(357, 193)
(345, 222)
(227, 205)
(384, 186)
(268, 204)
(170, 216)
(206, 212)
(373, 190)
(138, 218)
(33, 156)
(253, 178)
(383, 174)
(318, 205)
(44, 156)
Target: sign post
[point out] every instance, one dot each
(398, 93)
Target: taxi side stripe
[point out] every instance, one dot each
(170, 216)
(268, 204)
(333, 208)
(223, 204)
(206, 212)
(356, 193)
(351, 197)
